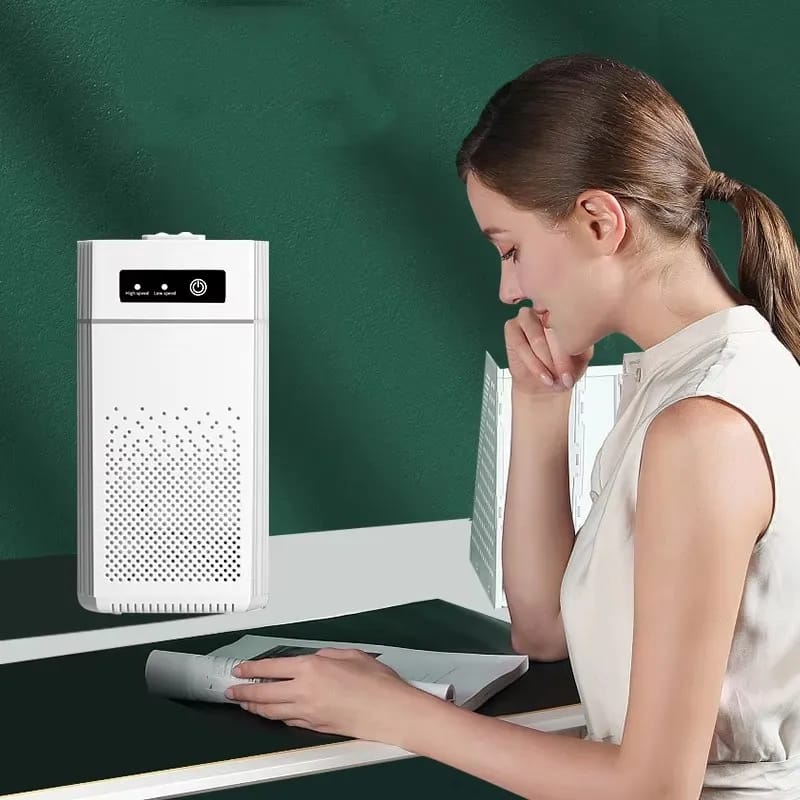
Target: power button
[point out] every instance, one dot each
(198, 287)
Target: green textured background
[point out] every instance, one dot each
(329, 129)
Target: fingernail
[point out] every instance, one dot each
(236, 671)
(229, 693)
(566, 379)
(546, 378)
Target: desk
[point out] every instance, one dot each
(311, 576)
(106, 737)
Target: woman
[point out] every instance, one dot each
(678, 603)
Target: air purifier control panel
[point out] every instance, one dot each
(172, 285)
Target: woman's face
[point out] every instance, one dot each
(563, 271)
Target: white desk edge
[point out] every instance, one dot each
(312, 576)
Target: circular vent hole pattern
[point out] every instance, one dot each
(172, 496)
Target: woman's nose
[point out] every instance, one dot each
(510, 293)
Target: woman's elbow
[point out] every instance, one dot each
(659, 784)
(537, 651)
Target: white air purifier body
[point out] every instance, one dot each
(172, 424)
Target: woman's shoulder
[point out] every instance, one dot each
(749, 364)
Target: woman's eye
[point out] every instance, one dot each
(506, 256)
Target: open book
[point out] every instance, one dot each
(465, 679)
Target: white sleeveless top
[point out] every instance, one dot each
(755, 751)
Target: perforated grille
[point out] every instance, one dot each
(172, 496)
(483, 529)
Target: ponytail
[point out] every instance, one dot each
(769, 263)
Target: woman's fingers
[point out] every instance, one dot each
(562, 362)
(271, 691)
(270, 710)
(518, 341)
(537, 341)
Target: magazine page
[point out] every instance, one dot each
(464, 679)
(188, 676)
(474, 677)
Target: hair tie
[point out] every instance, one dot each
(719, 186)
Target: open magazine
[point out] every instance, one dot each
(465, 679)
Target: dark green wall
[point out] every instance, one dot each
(328, 128)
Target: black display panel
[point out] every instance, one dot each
(172, 285)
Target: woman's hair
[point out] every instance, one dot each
(578, 122)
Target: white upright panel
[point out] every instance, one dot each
(172, 425)
(595, 401)
(594, 407)
(485, 523)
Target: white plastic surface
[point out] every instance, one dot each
(594, 407)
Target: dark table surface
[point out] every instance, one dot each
(89, 716)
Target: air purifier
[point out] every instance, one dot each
(172, 424)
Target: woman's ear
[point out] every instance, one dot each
(602, 222)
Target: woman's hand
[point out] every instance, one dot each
(536, 360)
(335, 690)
